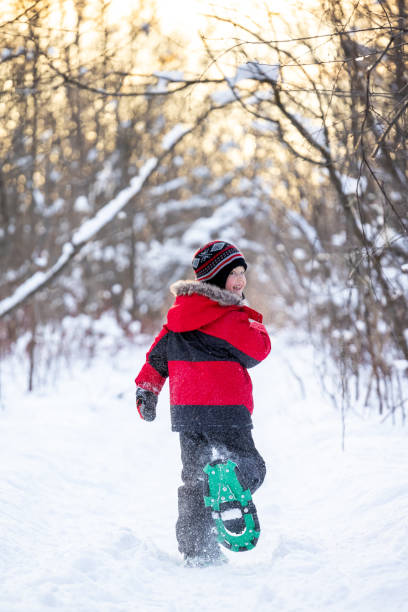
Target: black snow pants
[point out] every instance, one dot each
(195, 530)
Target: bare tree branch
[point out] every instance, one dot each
(147, 88)
(91, 228)
(394, 120)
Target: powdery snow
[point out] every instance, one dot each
(88, 499)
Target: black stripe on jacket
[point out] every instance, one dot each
(158, 357)
(198, 346)
(204, 418)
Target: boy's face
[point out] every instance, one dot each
(236, 280)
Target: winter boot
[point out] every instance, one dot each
(234, 512)
(215, 559)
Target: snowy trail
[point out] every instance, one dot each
(88, 501)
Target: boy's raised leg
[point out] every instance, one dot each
(233, 510)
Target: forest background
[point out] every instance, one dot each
(132, 133)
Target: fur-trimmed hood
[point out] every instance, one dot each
(197, 304)
(222, 296)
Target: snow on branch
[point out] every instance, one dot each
(224, 97)
(175, 134)
(172, 76)
(88, 230)
(164, 78)
(256, 72)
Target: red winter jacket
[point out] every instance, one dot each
(205, 348)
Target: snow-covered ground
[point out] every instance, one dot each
(88, 500)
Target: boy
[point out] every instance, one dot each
(208, 342)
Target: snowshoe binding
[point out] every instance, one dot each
(234, 512)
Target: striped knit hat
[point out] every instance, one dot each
(213, 262)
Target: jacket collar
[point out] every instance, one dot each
(222, 296)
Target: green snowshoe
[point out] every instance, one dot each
(234, 512)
